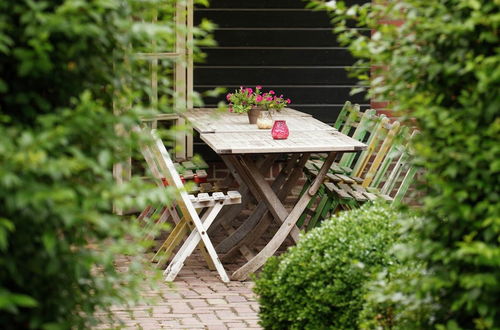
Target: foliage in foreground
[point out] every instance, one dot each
(441, 67)
(62, 66)
(321, 282)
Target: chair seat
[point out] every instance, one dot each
(356, 192)
(203, 200)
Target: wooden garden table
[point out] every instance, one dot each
(240, 144)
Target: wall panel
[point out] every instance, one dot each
(280, 45)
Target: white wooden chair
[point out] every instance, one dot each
(185, 214)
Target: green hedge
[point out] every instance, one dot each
(65, 79)
(441, 67)
(320, 283)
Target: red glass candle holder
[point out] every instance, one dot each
(280, 130)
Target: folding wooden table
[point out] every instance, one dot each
(239, 144)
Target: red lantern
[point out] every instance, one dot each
(280, 130)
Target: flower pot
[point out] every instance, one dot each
(253, 114)
(280, 130)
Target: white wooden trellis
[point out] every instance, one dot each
(183, 85)
(182, 55)
(183, 75)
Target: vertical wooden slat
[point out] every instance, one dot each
(154, 77)
(189, 73)
(365, 126)
(342, 115)
(397, 148)
(373, 142)
(180, 76)
(382, 152)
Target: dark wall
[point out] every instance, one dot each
(282, 46)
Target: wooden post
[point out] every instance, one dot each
(180, 78)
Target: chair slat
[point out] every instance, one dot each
(342, 115)
(379, 134)
(381, 153)
(353, 118)
(333, 188)
(366, 126)
(396, 151)
(204, 197)
(217, 196)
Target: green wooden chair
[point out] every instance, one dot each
(370, 177)
(389, 184)
(367, 127)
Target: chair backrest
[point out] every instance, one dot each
(148, 155)
(342, 117)
(366, 125)
(382, 152)
(402, 174)
(397, 148)
(377, 146)
(354, 115)
(163, 168)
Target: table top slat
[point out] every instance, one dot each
(206, 120)
(262, 142)
(229, 133)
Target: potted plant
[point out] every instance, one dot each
(243, 100)
(246, 100)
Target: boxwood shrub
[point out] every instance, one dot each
(320, 283)
(392, 303)
(440, 66)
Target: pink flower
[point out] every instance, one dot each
(288, 101)
(272, 92)
(269, 98)
(228, 96)
(281, 96)
(258, 98)
(249, 90)
(258, 87)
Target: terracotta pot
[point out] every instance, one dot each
(253, 114)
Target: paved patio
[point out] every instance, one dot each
(197, 300)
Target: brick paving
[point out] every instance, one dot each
(197, 300)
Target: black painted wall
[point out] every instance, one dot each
(282, 46)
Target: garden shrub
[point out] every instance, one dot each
(390, 301)
(319, 283)
(440, 66)
(63, 65)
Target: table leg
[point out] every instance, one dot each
(258, 213)
(261, 188)
(286, 227)
(233, 211)
(265, 221)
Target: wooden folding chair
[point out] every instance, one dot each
(369, 128)
(389, 184)
(371, 177)
(185, 214)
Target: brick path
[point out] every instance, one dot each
(197, 300)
